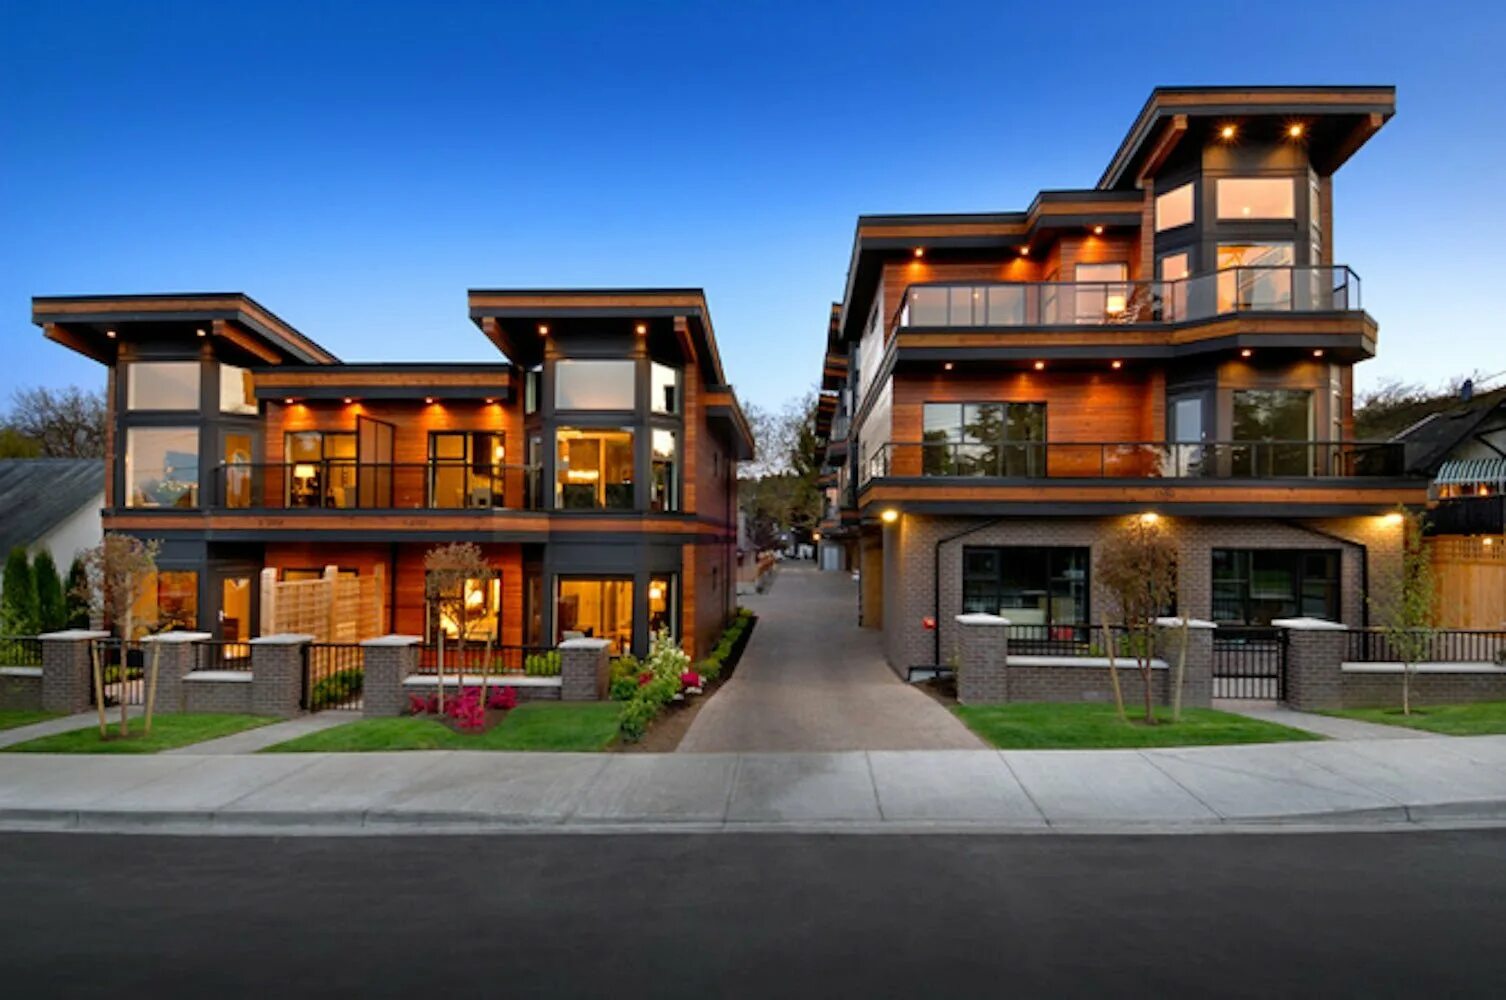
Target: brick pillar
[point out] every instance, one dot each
(983, 655)
(584, 670)
(1314, 654)
(178, 658)
(277, 674)
(389, 660)
(67, 673)
(1197, 681)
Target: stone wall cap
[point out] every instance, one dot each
(1310, 624)
(174, 637)
(585, 644)
(394, 640)
(284, 639)
(981, 618)
(1171, 621)
(75, 635)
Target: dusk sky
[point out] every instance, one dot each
(357, 167)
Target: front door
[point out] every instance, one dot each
(1186, 435)
(233, 629)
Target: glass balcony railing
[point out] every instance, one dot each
(350, 485)
(1203, 296)
(1139, 460)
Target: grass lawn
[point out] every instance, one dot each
(538, 725)
(168, 731)
(1051, 726)
(11, 718)
(1480, 719)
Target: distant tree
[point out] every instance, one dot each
(18, 603)
(52, 610)
(77, 603)
(1138, 566)
(778, 492)
(64, 423)
(116, 572)
(14, 444)
(1405, 604)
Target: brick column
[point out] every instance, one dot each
(277, 674)
(1314, 654)
(1197, 681)
(66, 670)
(178, 657)
(584, 669)
(983, 656)
(389, 660)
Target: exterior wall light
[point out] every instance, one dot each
(1227, 132)
(889, 516)
(1149, 518)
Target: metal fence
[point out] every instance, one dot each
(219, 654)
(1376, 645)
(477, 659)
(20, 651)
(333, 676)
(1071, 640)
(1249, 662)
(124, 672)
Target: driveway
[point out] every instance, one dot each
(811, 679)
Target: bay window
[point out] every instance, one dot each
(162, 385)
(594, 468)
(595, 608)
(581, 384)
(162, 467)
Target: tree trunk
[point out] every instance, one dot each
(123, 676)
(151, 688)
(1176, 695)
(1108, 644)
(439, 667)
(1406, 689)
(99, 685)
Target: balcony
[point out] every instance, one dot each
(1232, 291)
(1237, 460)
(353, 485)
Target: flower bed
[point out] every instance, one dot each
(467, 712)
(667, 676)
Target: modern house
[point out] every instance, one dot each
(51, 504)
(1003, 390)
(594, 463)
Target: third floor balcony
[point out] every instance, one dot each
(353, 485)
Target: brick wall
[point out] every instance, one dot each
(1083, 683)
(1377, 690)
(210, 694)
(20, 689)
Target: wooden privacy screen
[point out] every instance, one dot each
(1470, 581)
(333, 608)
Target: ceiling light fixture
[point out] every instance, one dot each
(1317, 352)
(1227, 132)
(641, 329)
(1040, 365)
(1097, 230)
(889, 516)
(110, 334)
(1116, 364)
(1246, 353)
(543, 330)
(920, 251)
(1295, 130)
(202, 332)
(947, 367)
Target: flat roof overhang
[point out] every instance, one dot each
(388, 382)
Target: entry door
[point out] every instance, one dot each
(1187, 435)
(235, 626)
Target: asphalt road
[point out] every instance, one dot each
(772, 916)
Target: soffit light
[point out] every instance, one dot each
(1295, 130)
(1227, 132)
(1040, 366)
(1149, 518)
(543, 330)
(920, 251)
(889, 516)
(1116, 364)
(1097, 230)
(1246, 352)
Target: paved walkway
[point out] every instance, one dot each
(812, 680)
(1370, 782)
(262, 737)
(1323, 725)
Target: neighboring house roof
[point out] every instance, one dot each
(1431, 441)
(38, 494)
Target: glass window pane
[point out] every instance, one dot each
(1174, 208)
(1005, 305)
(594, 385)
(162, 385)
(237, 392)
(162, 467)
(664, 487)
(663, 610)
(942, 422)
(664, 388)
(168, 602)
(594, 469)
(1256, 198)
(596, 609)
(1263, 279)
(1174, 266)
(928, 306)
(983, 423)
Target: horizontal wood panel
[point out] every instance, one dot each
(1047, 491)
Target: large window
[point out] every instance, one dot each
(663, 605)
(596, 609)
(1275, 423)
(1174, 208)
(594, 385)
(1026, 584)
(1101, 294)
(483, 603)
(664, 384)
(1258, 276)
(162, 467)
(1256, 198)
(321, 468)
(1255, 586)
(162, 385)
(237, 391)
(664, 487)
(168, 601)
(594, 468)
(984, 439)
(465, 469)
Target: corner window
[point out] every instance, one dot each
(665, 485)
(664, 385)
(594, 468)
(1174, 208)
(1029, 585)
(237, 390)
(162, 385)
(1256, 198)
(1255, 276)
(594, 385)
(162, 467)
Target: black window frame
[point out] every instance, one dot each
(1050, 553)
(1244, 558)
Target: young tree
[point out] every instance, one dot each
(52, 611)
(18, 603)
(1138, 566)
(115, 573)
(75, 595)
(446, 570)
(1405, 604)
(65, 423)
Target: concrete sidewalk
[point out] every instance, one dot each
(1210, 789)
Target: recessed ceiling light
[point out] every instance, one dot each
(947, 367)
(110, 334)
(543, 330)
(1295, 130)
(1246, 353)
(202, 332)
(1097, 230)
(1039, 365)
(429, 400)
(920, 251)
(1227, 131)
(290, 401)
(1117, 364)
(641, 329)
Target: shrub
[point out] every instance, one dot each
(77, 603)
(635, 719)
(52, 611)
(18, 602)
(542, 664)
(626, 665)
(503, 699)
(623, 688)
(342, 685)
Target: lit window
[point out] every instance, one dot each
(664, 384)
(596, 609)
(1256, 198)
(483, 599)
(594, 469)
(665, 492)
(162, 385)
(167, 601)
(237, 392)
(162, 467)
(1174, 208)
(594, 385)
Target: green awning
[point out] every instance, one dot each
(1473, 472)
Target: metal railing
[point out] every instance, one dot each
(1378, 645)
(222, 654)
(475, 658)
(1249, 662)
(20, 651)
(124, 672)
(342, 484)
(1320, 289)
(1139, 460)
(334, 674)
(1069, 640)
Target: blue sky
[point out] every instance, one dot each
(357, 167)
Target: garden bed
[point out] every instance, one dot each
(559, 726)
(1069, 726)
(660, 703)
